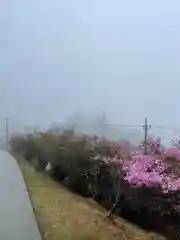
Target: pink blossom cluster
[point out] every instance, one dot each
(153, 146)
(172, 152)
(149, 171)
(152, 170)
(176, 143)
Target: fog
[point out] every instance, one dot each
(64, 60)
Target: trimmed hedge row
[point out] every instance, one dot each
(81, 163)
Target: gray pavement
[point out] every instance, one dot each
(17, 220)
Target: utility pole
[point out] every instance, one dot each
(7, 132)
(146, 128)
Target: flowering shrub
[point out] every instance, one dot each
(149, 171)
(144, 170)
(176, 143)
(172, 152)
(112, 172)
(153, 147)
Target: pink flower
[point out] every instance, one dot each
(148, 171)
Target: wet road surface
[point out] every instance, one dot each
(17, 220)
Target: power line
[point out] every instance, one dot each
(146, 127)
(138, 125)
(121, 125)
(166, 127)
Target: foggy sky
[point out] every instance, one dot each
(61, 57)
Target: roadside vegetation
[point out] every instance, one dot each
(77, 180)
(62, 214)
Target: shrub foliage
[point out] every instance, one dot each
(142, 188)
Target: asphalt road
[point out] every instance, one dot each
(17, 220)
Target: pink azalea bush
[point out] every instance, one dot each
(149, 171)
(172, 152)
(153, 147)
(157, 169)
(143, 170)
(153, 170)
